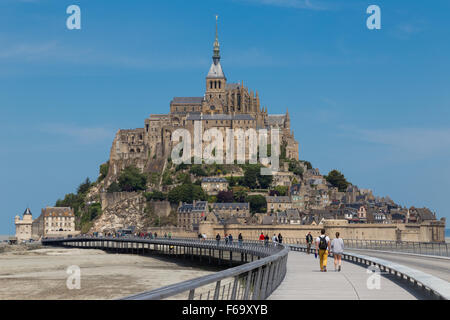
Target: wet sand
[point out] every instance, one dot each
(41, 274)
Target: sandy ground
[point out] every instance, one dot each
(41, 274)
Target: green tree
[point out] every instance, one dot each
(225, 196)
(281, 190)
(240, 193)
(113, 187)
(198, 171)
(308, 164)
(155, 196)
(337, 180)
(258, 203)
(84, 187)
(251, 176)
(104, 169)
(186, 192)
(131, 179)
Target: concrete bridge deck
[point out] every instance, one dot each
(304, 281)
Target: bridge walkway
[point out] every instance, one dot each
(304, 281)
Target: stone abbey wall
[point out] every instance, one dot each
(421, 232)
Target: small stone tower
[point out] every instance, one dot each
(24, 226)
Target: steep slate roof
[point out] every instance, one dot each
(58, 211)
(268, 220)
(230, 205)
(425, 214)
(214, 180)
(196, 116)
(232, 86)
(215, 72)
(190, 207)
(281, 199)
(274, 119)
(187, 100)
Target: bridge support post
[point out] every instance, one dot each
(257, 285)
(234, 291)
(217, 291)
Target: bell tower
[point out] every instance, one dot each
(215, 80)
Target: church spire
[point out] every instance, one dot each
(216, 56)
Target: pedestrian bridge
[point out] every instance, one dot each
(255, 270)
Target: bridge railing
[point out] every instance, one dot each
(254, 280)
(437, 288)
(425, 248)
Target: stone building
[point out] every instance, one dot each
(283, 179)
(223, 106)
(276, 203)
(191, 214)
(290, 216)
(24, 226)
(224, 211)
(55, 222)
(212, 186)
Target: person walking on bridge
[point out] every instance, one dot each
(280, 238)
(323, 246)
(240, 239)
(309, 241)
(218, 239)
(261, 237)
(337, 247)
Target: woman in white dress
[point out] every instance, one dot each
(337, 247)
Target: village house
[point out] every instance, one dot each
(278, 203)
(282, 179)
(212, 186)
(55, 222)
(224, 211)
(290, 216)
(190, 214)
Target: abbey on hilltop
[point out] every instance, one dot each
(224, 105)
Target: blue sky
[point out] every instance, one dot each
(374, 104)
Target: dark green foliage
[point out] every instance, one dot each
(131, 179)
(294, 166)
(253, 178)
(93, 211)
(186, 192)
(279, 191)
(198, 171)
(240, 193)
(308, 164)
(337, 180)
(71, 200)
(114, 187)
(225, 196)
(258, 203)
(84, 187)
(234, 181)
(155, 196)
(104, 169)
(167, 178)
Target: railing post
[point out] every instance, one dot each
(234, 291)
(217, 291)
(191, 294)
(247, 285)
(257, 285)
(264, 282)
